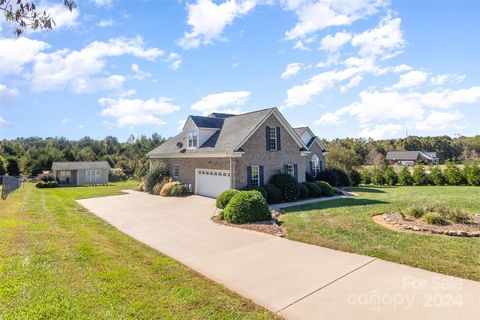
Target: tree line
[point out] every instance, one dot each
(351, 153)
(31, 156)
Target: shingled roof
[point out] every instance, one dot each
(411, 155)
(81, 165)
(234, 130)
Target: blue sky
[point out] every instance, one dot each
(346, 68)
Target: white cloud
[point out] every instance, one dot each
(401, 68)
(381, 131)
(440, 79)
(7, 95)
(17, 52)
(440, 121)
(411, 79)
(105, 23)
(222, 102)
(447, 98)
(175, 60)
(208, 19)
(63, 17)
(355, 81)
(3, 122)
(384, 41)
(291, 70)
(329, 118)
(334, 43)
(133, 112)
(102, 3)
(138, 73)
(66, 121)
(181, 123)
(76, 69)
(317, 15)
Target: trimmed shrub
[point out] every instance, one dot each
(116, 175)
(404, 177)
(377, 177)
(471, 172)
(434, 218)
(156, 174)
(355, 177)
(309, 177)
(247, 206)
(224, 198)
(179, 190)
(453, 175)
(304, 193)
(342, 177)
(140, 186)
(274, 195)
(328, 176)
(157, 188)
(415, 211)
(167, 188)
(390, 176)
(436, 176)
(365, 176)
(46, 184)
(46, 177)
(419, 176)
(314, 190)
(288, 186)
(459, 216)
(327, 189)
(259, 189)
(220, 215)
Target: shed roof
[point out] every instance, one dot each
(80, 165)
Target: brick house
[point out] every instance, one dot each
(224, 151)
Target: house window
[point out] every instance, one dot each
(65, 176)
(176, 171)
(192, 138)
(254, 179)
(272, 139)
(315, 165)
(93, 175)
(291, 169)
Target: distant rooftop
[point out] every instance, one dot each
(80, 165)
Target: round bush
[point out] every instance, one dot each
(342, 177)
(314, 190)
(459, 216)
(274, 195)
(158, 173)
(45, 177)
(179, 190)
(247, 206)
(390, 176)
(259, 189)
(355, 177)
(327, 189)
(434, 218)
(224, 198)
(141, 186)
(328, 176)
(46, 184)
(157, 188)
(436, 176)
(116, 175)
(288, 186)
(304, 193)
(167, 188)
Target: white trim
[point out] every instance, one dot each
(237, 154)
(305, 153)
(285, 124)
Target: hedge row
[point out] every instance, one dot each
(451, 175)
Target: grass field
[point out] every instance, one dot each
(346, 225)
(58, 261)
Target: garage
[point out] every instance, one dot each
(211, 182)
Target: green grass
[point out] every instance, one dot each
(346, 225)
(58, 261)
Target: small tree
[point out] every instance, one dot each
(453, 175)
(471, 172)
(365, 176)
(404, 177)
(390, 176)
(436, 176)
(377, 177)
(419, 176)
(157, 174)
(3, 166)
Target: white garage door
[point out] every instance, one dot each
(210, 182)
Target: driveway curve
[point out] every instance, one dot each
(296, 280)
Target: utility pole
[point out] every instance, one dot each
(406, 132)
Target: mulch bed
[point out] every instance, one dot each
(270, 226)
(401, 223)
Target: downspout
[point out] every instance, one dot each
(231, 173)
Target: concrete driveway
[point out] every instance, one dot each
(297, 280)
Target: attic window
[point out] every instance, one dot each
(192, 138)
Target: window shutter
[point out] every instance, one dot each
(311, 168)
(267, 137)
(260, 176)
(278, 139)
(295, 172)
(285, 168)
(249, 176)
(321, 165)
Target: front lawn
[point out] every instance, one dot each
(58, 261)
(346, 225)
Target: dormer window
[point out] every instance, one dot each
(192, 139)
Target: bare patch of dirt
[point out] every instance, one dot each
(397, 222)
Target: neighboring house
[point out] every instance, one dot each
(81, 173)
(410, 158)
(223, 151)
